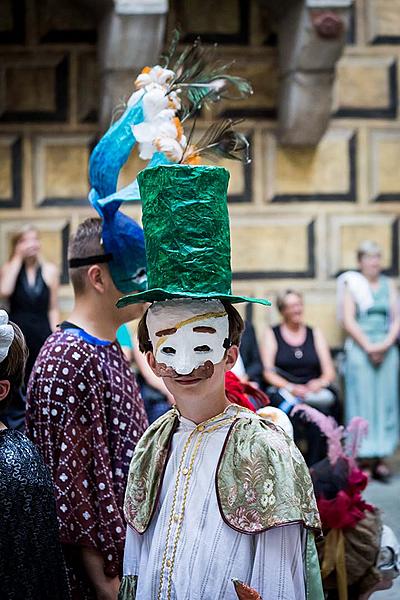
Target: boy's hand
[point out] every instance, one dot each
(245, 592)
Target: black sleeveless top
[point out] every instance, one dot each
(297, 364)
(29, 307)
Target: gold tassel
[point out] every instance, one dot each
(334, 560)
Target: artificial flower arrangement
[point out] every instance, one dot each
(174, 93)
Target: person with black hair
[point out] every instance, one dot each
(31, 561)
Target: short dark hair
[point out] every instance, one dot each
(236, 326)
(85, 242)
(12, 368)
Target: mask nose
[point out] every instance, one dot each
(184, 366)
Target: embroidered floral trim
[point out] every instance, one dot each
(262, 480)
(147, 470)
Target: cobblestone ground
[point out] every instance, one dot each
(387, 497)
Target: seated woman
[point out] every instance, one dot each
(298, 367)
(31, 561)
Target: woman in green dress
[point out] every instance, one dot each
(371, 320)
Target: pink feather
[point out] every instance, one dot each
(356, 430)
(328, 426)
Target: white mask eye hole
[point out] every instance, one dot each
(204, 348)
(168, 350)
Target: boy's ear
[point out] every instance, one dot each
(4, 389)
(231, 357)
(151, 361)
(96, 278)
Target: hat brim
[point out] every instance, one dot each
(159, 295)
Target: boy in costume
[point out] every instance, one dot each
(219, 502)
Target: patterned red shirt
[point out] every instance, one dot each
(86, 415)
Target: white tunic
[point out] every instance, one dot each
(189, 553)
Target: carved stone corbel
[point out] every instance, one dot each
(312, 35)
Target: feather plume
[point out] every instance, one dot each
(200, 78)
(356, 430)
(220, 141)
(328, 426)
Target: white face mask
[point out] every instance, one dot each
(195, 332)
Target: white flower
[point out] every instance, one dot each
(154, 101)
(157, 74)
(268, 486)
(174, 101)
(171, 148)
(135, 97)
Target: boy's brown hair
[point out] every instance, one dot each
(12, 368)
(236, 327)
(86, 242)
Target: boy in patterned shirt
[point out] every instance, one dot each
(85, 414)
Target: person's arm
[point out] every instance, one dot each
(132, 550)
(96, 521)
(8, 275)
(106, 587)
(394, 329)
(54, 312)
(375, 352)
(327, 369)
(284, 574)
(148, 375)
(350, 324)
(269, 349)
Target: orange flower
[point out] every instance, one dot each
(192, 157)
(193, 160)
(179, 128)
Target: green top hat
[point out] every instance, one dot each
(186, 229)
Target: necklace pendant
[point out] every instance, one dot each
(298, 353)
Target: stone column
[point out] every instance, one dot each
(131, 36)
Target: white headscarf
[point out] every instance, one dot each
(359, 289)
(6, 335)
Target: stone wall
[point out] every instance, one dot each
(297, 213)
